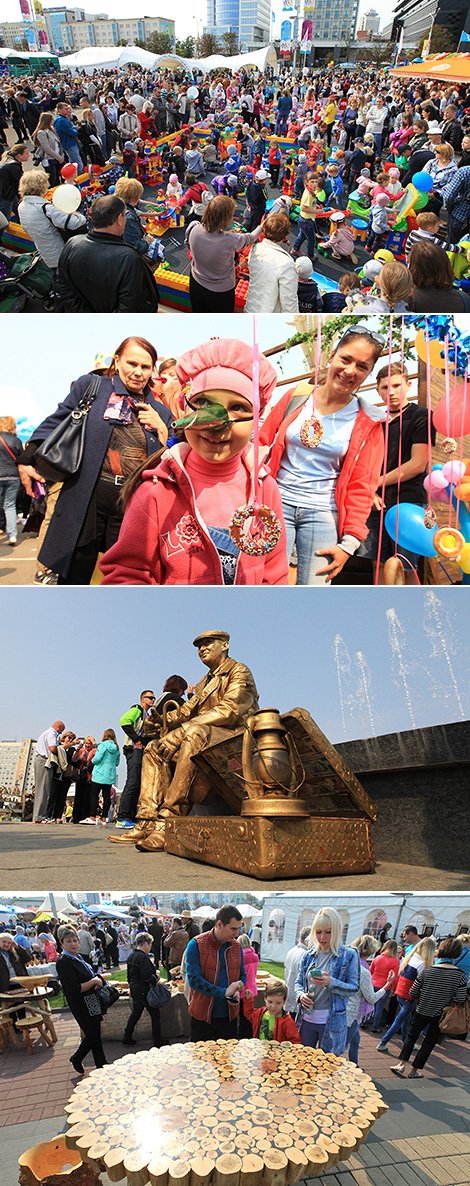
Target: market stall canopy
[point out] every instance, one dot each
(53, 903)
(7, 912)
(116, 56)
(108, 912)
(449, 67)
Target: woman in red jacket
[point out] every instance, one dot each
(380, 967)
(327, 487)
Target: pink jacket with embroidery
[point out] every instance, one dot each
(165, 541)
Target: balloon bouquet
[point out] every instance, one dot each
(440, 343)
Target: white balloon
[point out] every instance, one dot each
(193, 92)
(66, 198)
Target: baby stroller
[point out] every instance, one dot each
(26, 276)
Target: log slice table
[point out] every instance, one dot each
(222, 1113)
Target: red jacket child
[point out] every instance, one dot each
(285, 1029)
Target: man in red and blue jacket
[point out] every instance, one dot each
(216, 975)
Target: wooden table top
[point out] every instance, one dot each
(214, 1112)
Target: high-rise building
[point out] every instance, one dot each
(334, 21)
(250, 20)
(369, 22)
(17, 765)
(417, 17)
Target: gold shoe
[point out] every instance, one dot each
(130, 835)
(154, 841)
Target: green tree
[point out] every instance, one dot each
(123, 41)
(378, 53)
(159, 43)
(230, 41)
(186, 48)
(208, 45)
(442, 41)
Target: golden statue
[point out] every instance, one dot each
(223, 700)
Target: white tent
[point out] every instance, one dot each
(40, 53)
(116, 56)
(284, 915)
(108, 912)
(7, 912)
(54, 903)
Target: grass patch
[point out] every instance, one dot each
(58, 1001)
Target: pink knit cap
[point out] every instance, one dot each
(226, 364)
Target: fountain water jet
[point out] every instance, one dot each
(397, 639)
(434, 628)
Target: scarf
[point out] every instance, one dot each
(82, 961)
(121, 406)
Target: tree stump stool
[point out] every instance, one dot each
(52, 1163)
(222, 1113)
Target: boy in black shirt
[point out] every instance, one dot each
(414, 457)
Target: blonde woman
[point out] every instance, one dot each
(328, 974)
(419, 957)
(360, 1004)
(10, 450)
(40, 218)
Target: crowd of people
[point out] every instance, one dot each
(354, 135)
(330, 991)
(151, 451)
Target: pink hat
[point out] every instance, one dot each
(382, 200)
(174, 178)
(226, 364)
(394, 172)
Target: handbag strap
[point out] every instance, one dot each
(51, 220)
(84, 404)
(7, 449)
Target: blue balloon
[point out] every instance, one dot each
(112, 189)
(412, 533)
(423, 182)
(438, 465)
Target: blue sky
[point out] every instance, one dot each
(85, 655)
(46, 354)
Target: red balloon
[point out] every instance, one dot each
(456, 403)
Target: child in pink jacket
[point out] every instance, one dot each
(176, 524)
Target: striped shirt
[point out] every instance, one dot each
(436, 987)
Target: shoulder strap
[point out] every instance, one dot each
(51, 220)
(7, 449)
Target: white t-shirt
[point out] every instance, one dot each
(308, 477)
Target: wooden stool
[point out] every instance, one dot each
(44, 1164)
(7, 1029)
(32, 1021)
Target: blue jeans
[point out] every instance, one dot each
(306, 231)
(352, 1042)
(311, 1034)
(379, 1008)
(310, 529)
(401, 1021)
(8, 490)
(74, 156)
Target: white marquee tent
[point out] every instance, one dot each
(116, 56)
(284, 915)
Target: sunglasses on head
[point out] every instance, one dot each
(363, 332)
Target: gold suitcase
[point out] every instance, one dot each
(270, 848)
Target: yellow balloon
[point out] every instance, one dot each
(464, 562)
(435, 347)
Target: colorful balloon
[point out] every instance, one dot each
(412, 533)
(464, 562)
(436, 481)
(423, 182)
(453, 471)
(458, 396)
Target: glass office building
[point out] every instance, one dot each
(249, 19)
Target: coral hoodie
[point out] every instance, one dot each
(164, 539)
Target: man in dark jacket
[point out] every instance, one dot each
(452, 131)
(141, 976)
(156, 931)
(98, 273)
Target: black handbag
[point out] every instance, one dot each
(158, 995)
(108, 995)
(61, 454)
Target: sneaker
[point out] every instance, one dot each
(125, 823)
(12, 540)
(89, 820)
(382, 1047)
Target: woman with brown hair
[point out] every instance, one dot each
(433, 279)
(11, 170)
(434, 989)
(213, 246)
(105, 762)
(125, 424)
(49, 152)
